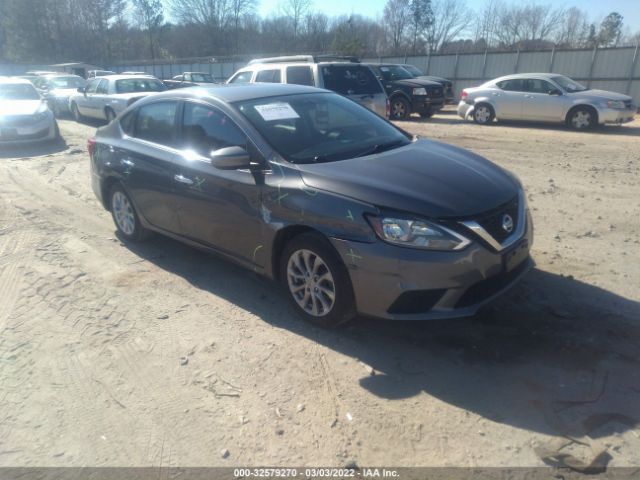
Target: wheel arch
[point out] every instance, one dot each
(588, 106)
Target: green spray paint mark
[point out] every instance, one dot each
(352, 255)
(256, 251)
(199, 182)
(349, 215)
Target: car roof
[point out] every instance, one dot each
(14, 80)
(516, 76)
(240, 92)
(126, 77)
(58, 75)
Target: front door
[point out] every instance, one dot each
(539, 104)
(219, 208)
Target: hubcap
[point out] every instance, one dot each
(311, 283)
(123, 213)
(483, 114)
(399, 110)
(581, 119)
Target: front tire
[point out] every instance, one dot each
(125, 216)
(582, 118)
(400, 109)
(483, 114)
(317, 281)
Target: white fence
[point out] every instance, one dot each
(616, 69)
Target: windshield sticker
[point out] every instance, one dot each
(384, 69)
(276, 111)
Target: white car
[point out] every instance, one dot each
(105, 97)
(545, 97)
(24, 114)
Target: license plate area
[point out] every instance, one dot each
(516, 255)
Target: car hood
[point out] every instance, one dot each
(600, 94)
(426, 178)
(19, 107)
(431, 78)
(417, 82)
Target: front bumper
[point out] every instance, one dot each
(426, 104)
(42, 130)
(409, 284)
(611, 115)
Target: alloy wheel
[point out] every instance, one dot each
(581, 119)
(482, 114)
(311, 283)
(123, 213)
(399, 110)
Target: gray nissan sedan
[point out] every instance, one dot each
(352, 214)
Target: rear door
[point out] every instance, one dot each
(539, 104)
(356, 82)
(148, 162)
(218, 208)
(508, 98)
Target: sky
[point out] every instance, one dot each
(597, 9)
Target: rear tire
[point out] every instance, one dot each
(400, 109)
(125, 216)
(483, 114)
(77, 116)
(582, 118)
(317, 281)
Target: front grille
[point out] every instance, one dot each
(17, 120)
(416, 301)
(490, 286)
(492, 221)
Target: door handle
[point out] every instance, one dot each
(127, 162)
(183, 179)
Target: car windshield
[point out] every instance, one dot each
(415, 71)
(320, 127)
(18, 91)
(67, 82)
(133, 85)
(568, 84)
(201, 77)
(390, 72)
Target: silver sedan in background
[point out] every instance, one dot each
(56, 90)
(545, 97)
(105, 97)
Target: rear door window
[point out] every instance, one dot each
(268, 76)
(300, 76)
(350, 79)
(156, 122)
(513, 85)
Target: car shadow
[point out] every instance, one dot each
(554, 355)
(37, 149)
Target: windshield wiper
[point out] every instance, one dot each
(380, 147)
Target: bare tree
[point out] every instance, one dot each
(240, 8)
(450, 19)
(149, 15)
(573, 30)
(487, 24)
(296, 10)
(397, 16)
(207, 13)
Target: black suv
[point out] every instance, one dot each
(407, 94)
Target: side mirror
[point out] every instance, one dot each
(81, 90)
(230, 158)
(555, 91)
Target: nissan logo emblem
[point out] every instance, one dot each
(507, 223)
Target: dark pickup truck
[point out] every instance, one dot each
(409, 95)
(190, 79)
(447, 84)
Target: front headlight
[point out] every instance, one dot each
(619, 104)
(417, 233)
(419, 91)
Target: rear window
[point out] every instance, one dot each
(350, 79)
(133, 85)
(268, 76)
(300, 76)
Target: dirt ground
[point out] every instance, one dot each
(160, 355)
